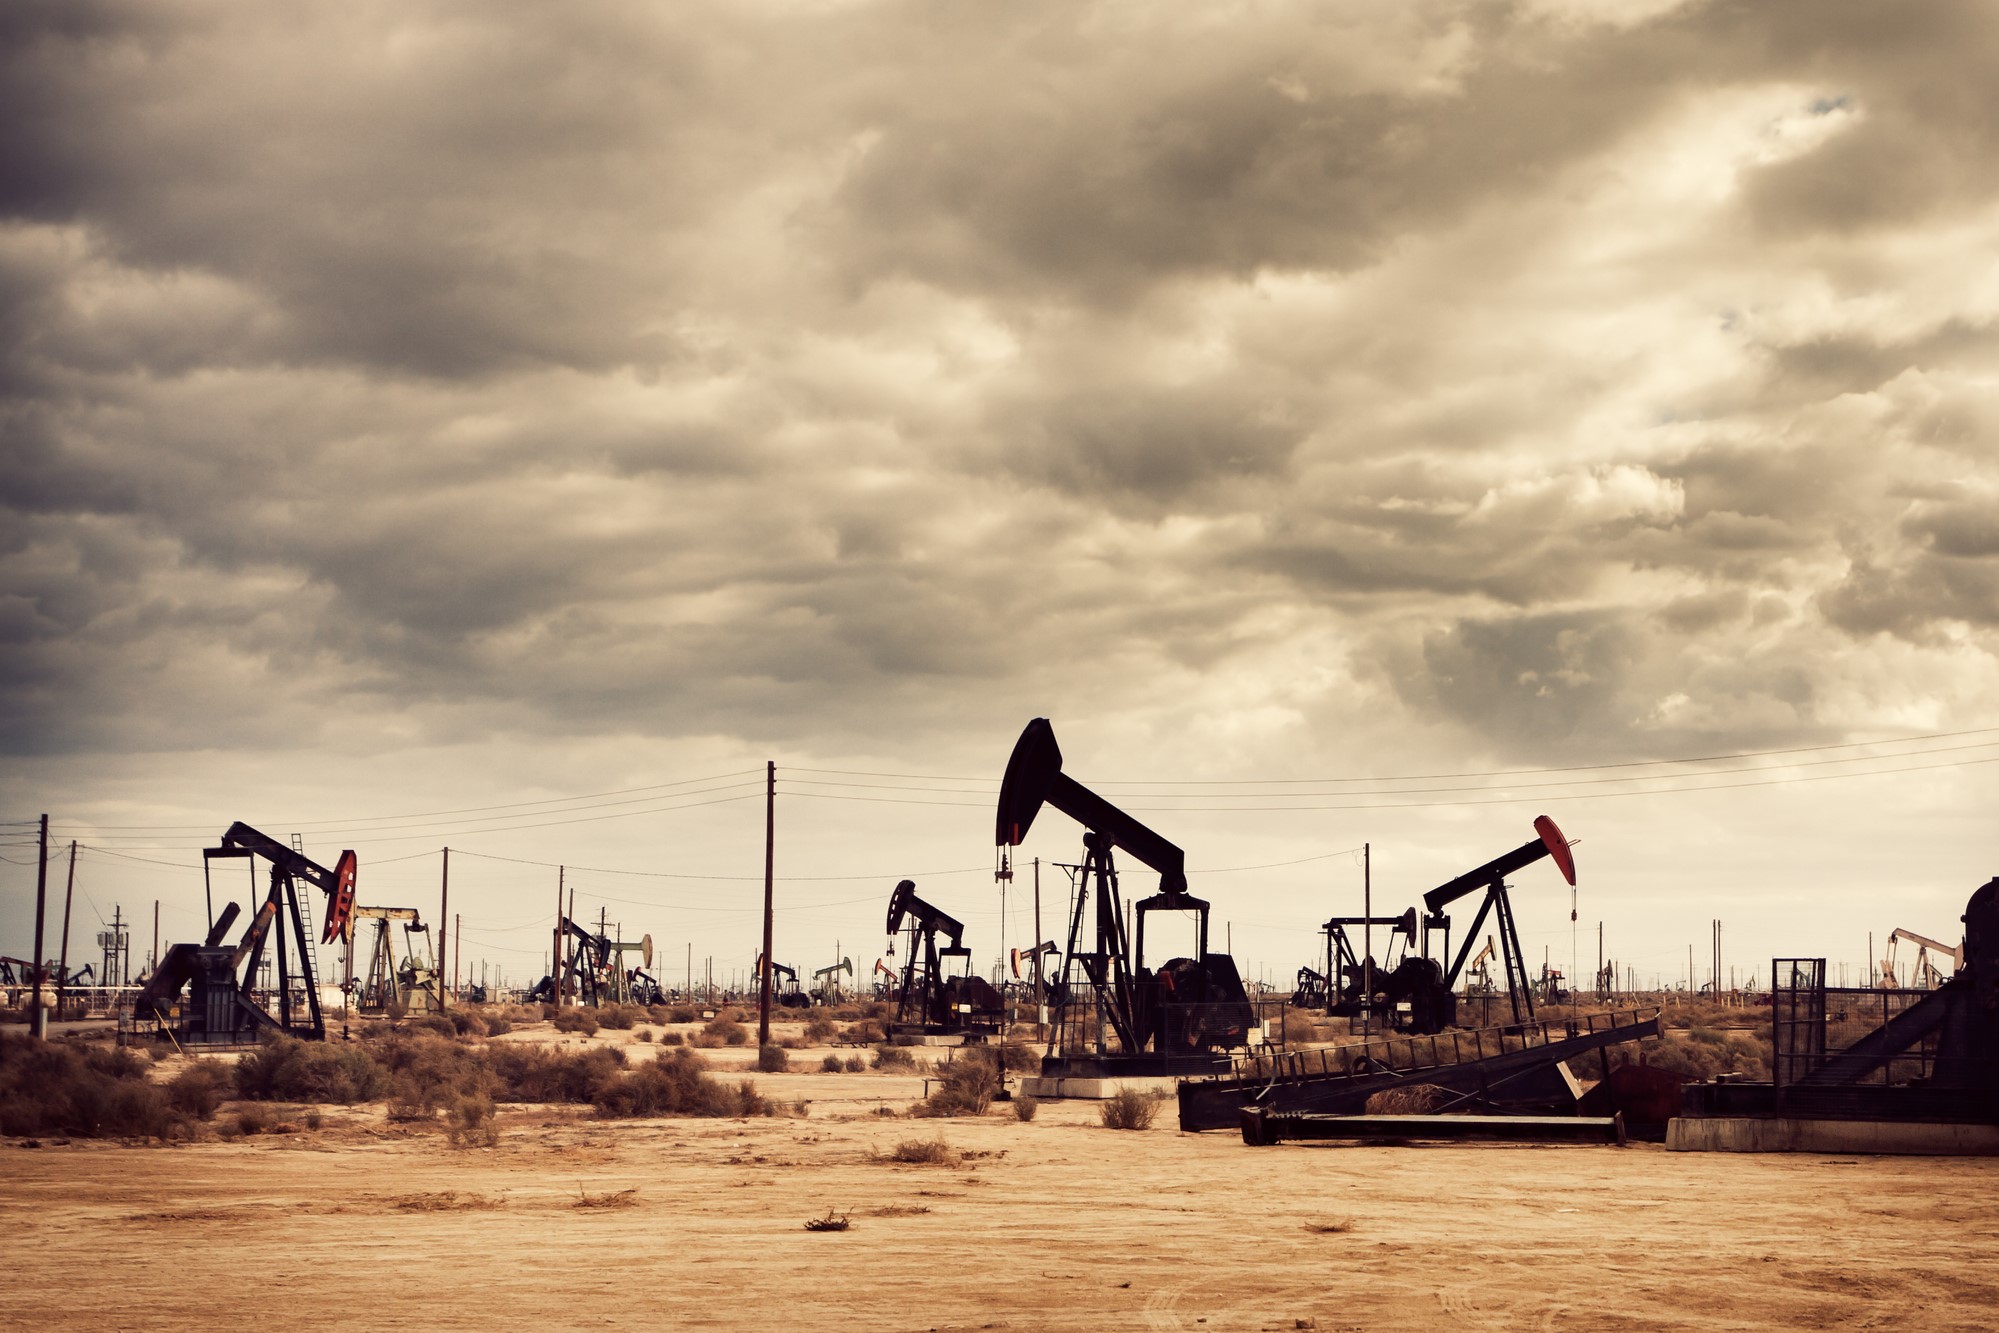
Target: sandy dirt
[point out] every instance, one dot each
(1054, 1224)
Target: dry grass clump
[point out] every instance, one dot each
(867, 1032)
(832, 1064)
(615, 1199)
(583, 1021)
(471, 1123)
(1702, 1052)
(854, 1064)
(198, 1090)
(827, 1223)
(1330, 1227)
(1024, 1107)
(821, 1028)
(446, 1201)
(671, 1039)
(966, 1086)
(1413, 1099)
(772, 1059)
(683, 1013)
(1129, 1108)
(893, 1057)
(621, 1017)
(922, 1152)
(722, 1030)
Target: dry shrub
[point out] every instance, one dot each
(853, 1064)
(832, 1064)
(1024, 1107)
(52, 1088)
(497, 1026)
(1299, 1027)
(966, 1086)
(466, 1023)
(676, 1085)
(867, 1032)
(1413, 1099)
(198, 1090)
(772, 1059)
(1016, 1057)
(722, 1030)
(924, 1152)
(671, 1039)
(1702, 1053)
(581, 1021)
(821, 1028)
(1129, 1108)
(446, 1201)
(659, 1013)
(645, 1035)
(471, 1123)
(621, 1017)
(253, 1120)
(539, 1074)
(683, 1013)
(615, 1199)
(893, 1057)
(285, 1069)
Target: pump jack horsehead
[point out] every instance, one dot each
(1182, 1017)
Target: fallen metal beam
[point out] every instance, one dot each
(1261, 1127)
(1521, 1071)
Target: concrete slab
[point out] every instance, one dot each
(1093, 1089)
(1784, 1134)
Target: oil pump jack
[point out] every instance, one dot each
(409, 984)
(221, 1009)
(826, 981)
(1491, 877)
(929, 1002)
(1116, 1016)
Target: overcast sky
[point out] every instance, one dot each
(428, 407)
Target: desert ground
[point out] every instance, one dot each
(1057, 1223)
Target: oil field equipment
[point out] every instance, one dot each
(1116, 1016)
(1409, 992)
(1926, 976)
(930, 1001)
(593, 971)
(826, 981)
(1491, 878)
(1922, 1071)
(391, 984)
(785, 991)
(220, 1007)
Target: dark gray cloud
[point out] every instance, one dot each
(1514, 375)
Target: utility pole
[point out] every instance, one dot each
(38, 1014)
(457, 951)
(443, 920)
(154, 961)
(69, 887)
(1367, 939)
(770, 849)
(555, 953)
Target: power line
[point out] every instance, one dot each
(1433, 777)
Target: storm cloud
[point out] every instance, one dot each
(1558, 378)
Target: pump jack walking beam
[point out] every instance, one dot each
(1491, 877)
